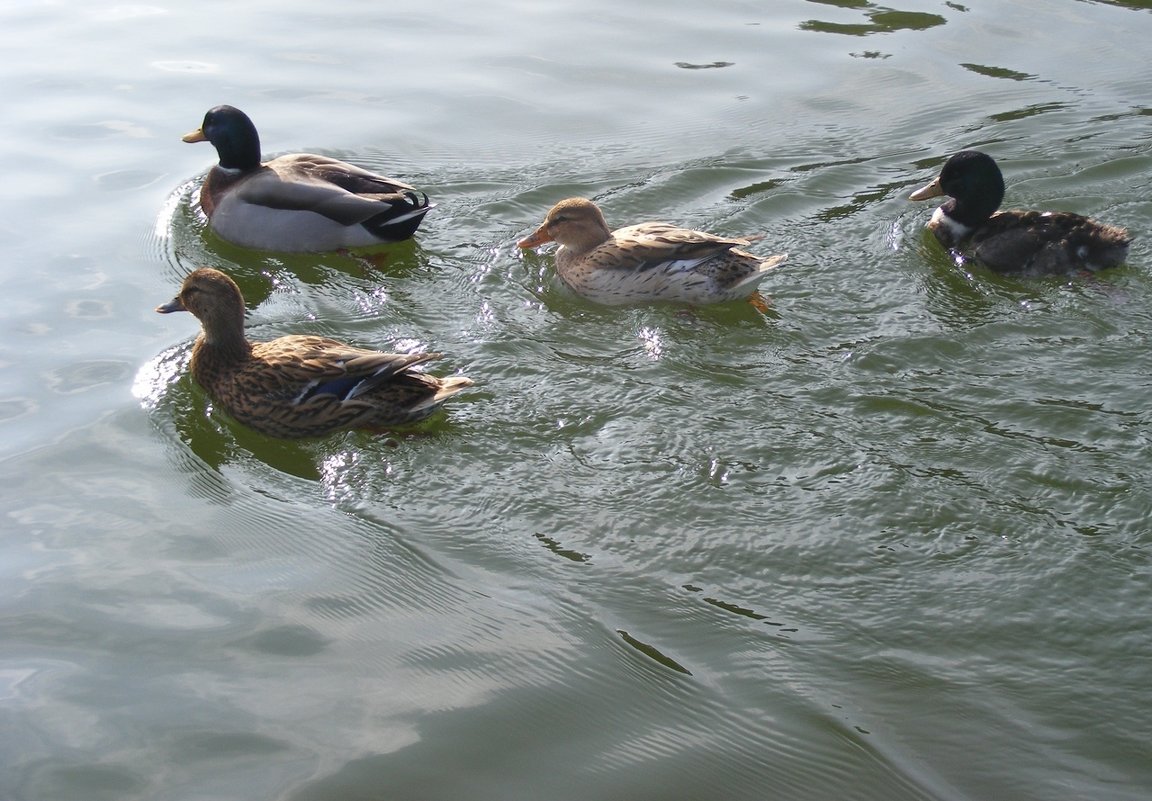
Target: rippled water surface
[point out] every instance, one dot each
(889, 540)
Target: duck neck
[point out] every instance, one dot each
(971, 213)
(217, 183)
(224, 339)
(948, 229)
(583, 240)
(976, 205)
(239, 150)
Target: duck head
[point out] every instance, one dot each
(233, 135)
(576, 223)
(973, 181)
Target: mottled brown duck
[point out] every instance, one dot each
(647, 262)
(298, 385)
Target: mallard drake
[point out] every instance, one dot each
(1014, 241)
(300, 386)
(299, 202)
(646, 262)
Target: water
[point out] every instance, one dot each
(889, 540)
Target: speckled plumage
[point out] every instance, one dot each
(299, 202)
(300, 386)
(1014, 241)
(646, 262)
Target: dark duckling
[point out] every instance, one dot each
(1014, 241)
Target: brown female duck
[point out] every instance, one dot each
(1014, 241)
(300, 386)
(646, 262)
(299, 202)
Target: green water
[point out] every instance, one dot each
(888, 541)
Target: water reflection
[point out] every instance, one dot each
(557, 548)
(1135, 5)
(1028, 111)
(861, 200)
(155, 376)
(755, 498)
(880, 19)
(684, 65)
(998, 72)
(653, 341)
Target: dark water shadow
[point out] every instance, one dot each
(184, 410)
(962, 294)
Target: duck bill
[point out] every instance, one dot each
(194, 136)
(173, 305)
(536, 238)
(931, 190)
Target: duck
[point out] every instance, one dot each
(1029, 243)
(649, 262)
(299, 202)
(299, 386)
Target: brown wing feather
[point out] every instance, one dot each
(347, 176)
(649, 244)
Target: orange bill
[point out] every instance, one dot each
(535, 239)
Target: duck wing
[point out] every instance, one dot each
(311, 368)
(660, 245)
(347, 176)
(341, 192)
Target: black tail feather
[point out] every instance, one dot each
(401, 221)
